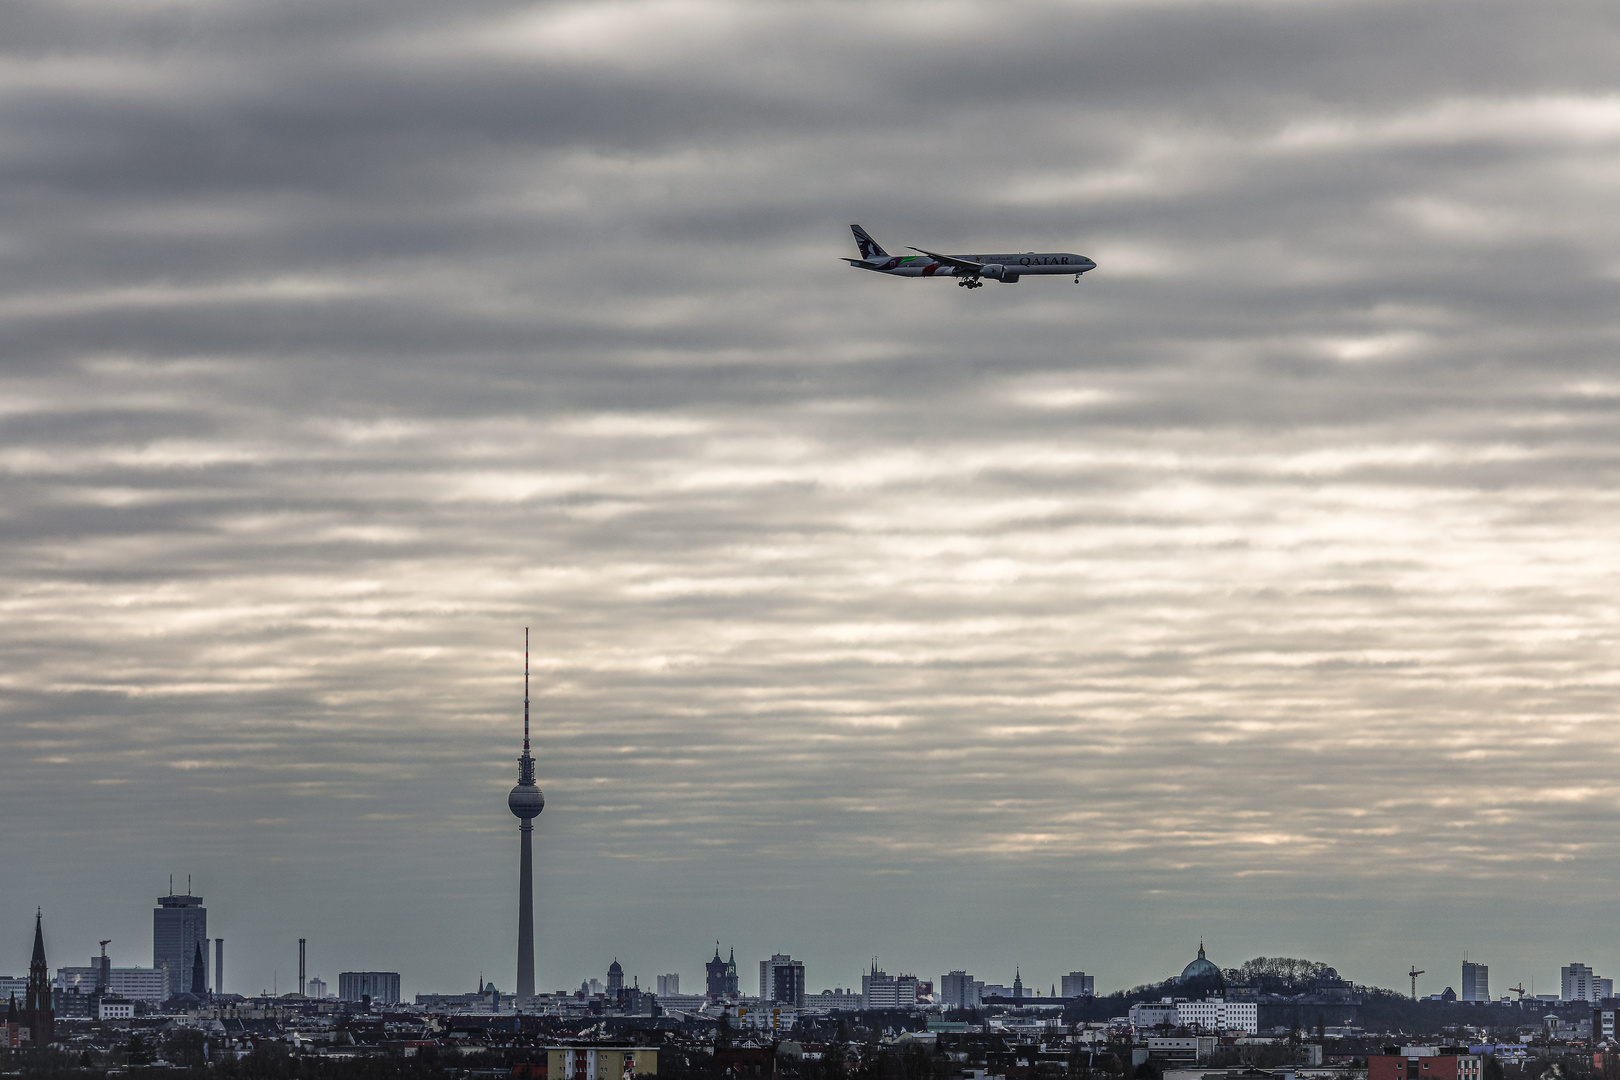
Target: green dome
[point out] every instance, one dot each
(1200, 968)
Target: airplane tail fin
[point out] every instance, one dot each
(869, 247)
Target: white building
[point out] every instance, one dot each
(880, 990)
(1580, 983)
(668, 984)
(830, 1000)
(138, 984)
(111, 1008)
(1211, 1014)
(316, 988)
(1217, 1014)
(1150, 1014)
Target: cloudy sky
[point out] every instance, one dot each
(1265, 586)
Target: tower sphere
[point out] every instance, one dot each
(526, 801)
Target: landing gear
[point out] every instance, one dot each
(970, 283)
(1077, 279)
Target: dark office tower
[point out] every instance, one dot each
(300, 967)
(219, 965)
(526, 802)
(37, 1014)
(179, 924)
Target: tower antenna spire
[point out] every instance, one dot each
(525, 802)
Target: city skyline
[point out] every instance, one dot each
(1259, 587)
(1586, 983)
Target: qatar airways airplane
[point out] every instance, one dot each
(970, 270)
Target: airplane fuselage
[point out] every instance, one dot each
(971, 270)
(1013, 265)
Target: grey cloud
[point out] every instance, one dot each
(1260, 585)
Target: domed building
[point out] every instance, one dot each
(615, 978)
(1200, 970)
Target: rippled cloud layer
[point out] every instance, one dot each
(1263, 586)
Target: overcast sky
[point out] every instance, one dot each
(1263, 587)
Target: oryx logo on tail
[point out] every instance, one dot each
(870, 248)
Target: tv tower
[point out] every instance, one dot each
(526, 801)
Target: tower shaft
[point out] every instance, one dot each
(525, 971)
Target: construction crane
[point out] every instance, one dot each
(1518, 990)
(1413, 974)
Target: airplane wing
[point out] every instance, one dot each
(948, 260)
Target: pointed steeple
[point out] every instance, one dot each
(1201, 947)
(39, 939)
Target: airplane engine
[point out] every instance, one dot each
(992, 270)
(1009, 279)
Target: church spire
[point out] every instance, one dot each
(39, 939)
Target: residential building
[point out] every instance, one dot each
(138, 984)
(781, 979)
(113, 1007)
(382, 987)
(839, 1000)
(1218, 1014)
(1580, 983)
(179, 926)
(581, 1061)
(1476, 983)
(1077, 984)
(1424, 1063)
(13, 986)
(669, 984)
(1181, 1050)
(316, 988)
(1152, 1014)
(880, 990)
(958, 990)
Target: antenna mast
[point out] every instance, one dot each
(525, 690)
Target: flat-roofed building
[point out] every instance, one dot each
(1077, 984)
(1424, 1063)
(582, 1061)
(382, 987)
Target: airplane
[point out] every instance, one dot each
(970, 270)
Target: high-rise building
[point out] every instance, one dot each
(301, 942)
(880, 990)
(1077, 984)
(1580, 983)
(316, 988)
(219, 965)
(179, 925)
(781, 979)
(526, 801)
(958, 990)
(382, 987)
(1476, 982)
(669, 984)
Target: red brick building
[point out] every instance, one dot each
(1425, 1063)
